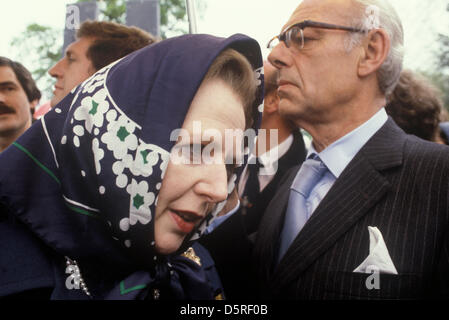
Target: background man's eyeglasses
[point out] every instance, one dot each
(295, 33)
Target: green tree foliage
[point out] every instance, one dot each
(443, 54)
(44, 44)
(114, 10)
(440, 77)
(41, 46)
(172, 14)
(441, 81)
(173, 17)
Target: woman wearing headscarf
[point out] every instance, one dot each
(93, 205)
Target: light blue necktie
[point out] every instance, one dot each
(311, 171)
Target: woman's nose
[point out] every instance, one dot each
(213, 183)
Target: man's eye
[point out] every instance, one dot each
(296, 38)
(7, 89)
(308, 39)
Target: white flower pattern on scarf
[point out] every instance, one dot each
(98, 154)
(119, 167)
(139, 205)
(117, 137)
(120, 137)
(94, 82)
(92, 110)
(145, 159)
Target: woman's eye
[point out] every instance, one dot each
(195, 152)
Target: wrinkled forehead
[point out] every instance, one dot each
(330, 11)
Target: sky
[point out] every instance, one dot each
(260, 19)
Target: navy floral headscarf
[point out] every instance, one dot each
(85, 178)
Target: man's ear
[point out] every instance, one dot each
(375, 50)
(271, 102)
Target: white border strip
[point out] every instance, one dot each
(79, 204)
(44, 126)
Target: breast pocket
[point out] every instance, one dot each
(352, 285)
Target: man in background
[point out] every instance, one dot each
(262, 175)
(416, 106)
(98, 44)
(19, 96)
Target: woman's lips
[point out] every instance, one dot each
(185, 220)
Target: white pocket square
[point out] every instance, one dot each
(379, 259)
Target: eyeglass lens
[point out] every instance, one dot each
(295, 36)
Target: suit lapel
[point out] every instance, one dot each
(358, 189)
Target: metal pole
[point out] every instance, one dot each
(191, 12)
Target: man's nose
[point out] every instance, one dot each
(56, 70)
(280, 56)
(2, 97)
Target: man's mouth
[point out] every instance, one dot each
(284, 82)
(186, 220)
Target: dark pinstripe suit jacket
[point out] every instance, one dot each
(397, 183)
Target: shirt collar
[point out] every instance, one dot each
(269, 158)
(339, 154)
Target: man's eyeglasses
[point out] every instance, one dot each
(294, 34)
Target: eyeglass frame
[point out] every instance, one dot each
(309, 24)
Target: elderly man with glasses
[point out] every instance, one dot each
(366, 216)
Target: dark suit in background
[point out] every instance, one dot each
(294, 156)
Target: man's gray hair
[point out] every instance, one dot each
(381, 14)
